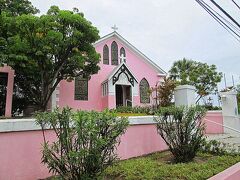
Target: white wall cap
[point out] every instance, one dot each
(180, 87)
(14, 125)
(228, 93)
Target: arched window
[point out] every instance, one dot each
(144, 91)
(114, 53)
(105, 54)
(123, 53)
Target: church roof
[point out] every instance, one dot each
(134, 49)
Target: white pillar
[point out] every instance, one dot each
(55, 98)
(184, 95)
(230, 111)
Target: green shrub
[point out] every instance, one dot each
(85, 145)
(212, 108)
(136, 109)
(182, 130)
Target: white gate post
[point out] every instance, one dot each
(184, 95)
(230, 111)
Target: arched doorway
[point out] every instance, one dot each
(123, 95)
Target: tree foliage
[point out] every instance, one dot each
(8, 10)
(201, 75)
(47, 49)
(85, 145)
(17, 7)
(182, 129)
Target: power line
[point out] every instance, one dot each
(228, 15)
(220, 19)
(232, 25)
(224, 25)
(236, 4)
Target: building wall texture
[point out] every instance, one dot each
(96, 101)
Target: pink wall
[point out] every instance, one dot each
(139, 68)
(140, 140)
(20, 155)
(10, 71)
(232, 173)
(213, 122)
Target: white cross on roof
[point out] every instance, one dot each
(115, 28)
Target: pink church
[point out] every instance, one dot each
(124, 79)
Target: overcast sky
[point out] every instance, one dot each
(165, 30)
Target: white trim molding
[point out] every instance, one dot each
(15, 125)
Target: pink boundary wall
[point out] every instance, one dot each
(20, 152)
(232, 173)
(10, 72)
(214, 122)
(20, 155)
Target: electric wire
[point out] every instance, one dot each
(218, 17)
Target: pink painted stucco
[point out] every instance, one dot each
(232, 173)
(20, 155)
(214, 122)
(96, 101)
(20, 152)
(140, 140)
(10, 71)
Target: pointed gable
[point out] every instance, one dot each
(118, 71)
(133, 49)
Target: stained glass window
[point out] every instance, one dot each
(81, 89)
(114, 53)
(105, 54)
(144, 91)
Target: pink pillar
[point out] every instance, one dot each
(10, 71)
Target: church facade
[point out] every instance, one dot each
(124, 79)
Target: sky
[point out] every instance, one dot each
(165, 31)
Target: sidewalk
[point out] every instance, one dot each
(232, 139)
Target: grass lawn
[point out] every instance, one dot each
(160, 166)
(131, 114)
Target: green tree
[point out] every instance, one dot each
(201, 75)
(47, 49)
(17, 7)
(9, 9)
